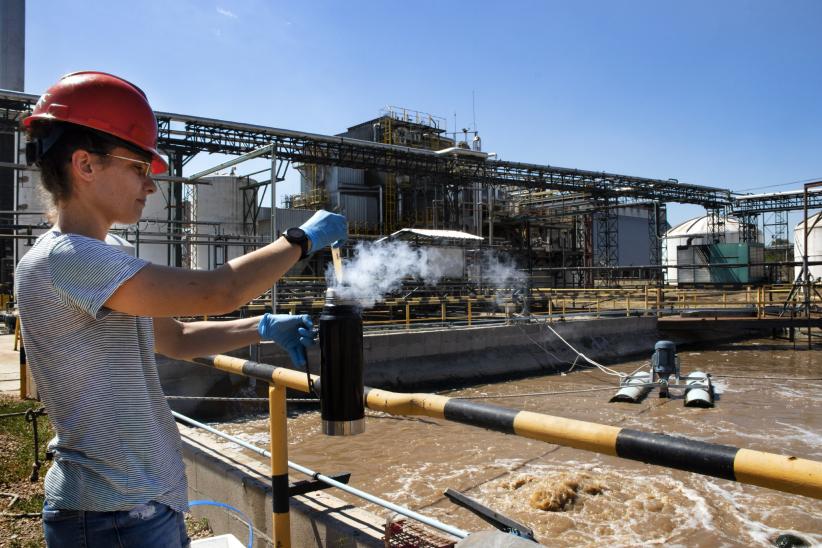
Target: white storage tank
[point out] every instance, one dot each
(814, 245)
(153, 228)
(218, 217)
(695, 232)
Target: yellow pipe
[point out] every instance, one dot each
(278, 430)
(780, 472)
(786, 473)
(589, 436)
(429, 405)
(280, 376)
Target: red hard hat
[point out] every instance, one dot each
(104, 102)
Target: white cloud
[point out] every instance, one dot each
(227, 13)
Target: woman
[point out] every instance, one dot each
(93, 316)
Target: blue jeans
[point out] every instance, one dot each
(151, 525)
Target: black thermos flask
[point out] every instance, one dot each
(341, 384)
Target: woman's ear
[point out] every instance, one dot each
(82, 165)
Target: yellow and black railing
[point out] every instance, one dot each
(786, 473)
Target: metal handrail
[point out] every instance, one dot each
(781, 472)
(459, 533)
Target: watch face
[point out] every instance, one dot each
(295, 233)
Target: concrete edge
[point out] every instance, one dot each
(228, 476)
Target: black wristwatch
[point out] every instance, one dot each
(296, 235)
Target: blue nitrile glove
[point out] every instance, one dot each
(293, 333)
(325, 228)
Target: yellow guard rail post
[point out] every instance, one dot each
(278, 430)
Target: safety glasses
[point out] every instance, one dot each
(147, 165)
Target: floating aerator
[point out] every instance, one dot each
(697, 387)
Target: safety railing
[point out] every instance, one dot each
(786, 473)
(556, 303)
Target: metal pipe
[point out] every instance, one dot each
(781, 472)
(238, 160)
(805, 262)
(329, 481)
(273, 220)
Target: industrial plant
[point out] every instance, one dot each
(561, 296)
(402, 170)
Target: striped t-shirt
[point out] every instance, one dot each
(117, 445)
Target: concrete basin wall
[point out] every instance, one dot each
(418, 359)
(231, 477)
(415, 359)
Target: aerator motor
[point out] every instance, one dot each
(697, 388)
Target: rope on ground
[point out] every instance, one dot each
(14, 498)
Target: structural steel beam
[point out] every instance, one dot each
(187, 135)
(777, 201)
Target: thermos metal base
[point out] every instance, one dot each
(343, 428)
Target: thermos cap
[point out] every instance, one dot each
(332, 297)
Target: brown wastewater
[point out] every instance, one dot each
(571, 497)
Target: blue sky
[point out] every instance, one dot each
(715, 93)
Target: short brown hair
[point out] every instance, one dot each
(53, 163)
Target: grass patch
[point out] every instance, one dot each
(16, 460)
(17, 440)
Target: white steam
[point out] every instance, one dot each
(378, 268)
(500, 272)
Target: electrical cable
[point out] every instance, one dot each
(551, 354)
(768, 378)
(560, 393)
(603, 368)
(250, 400)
